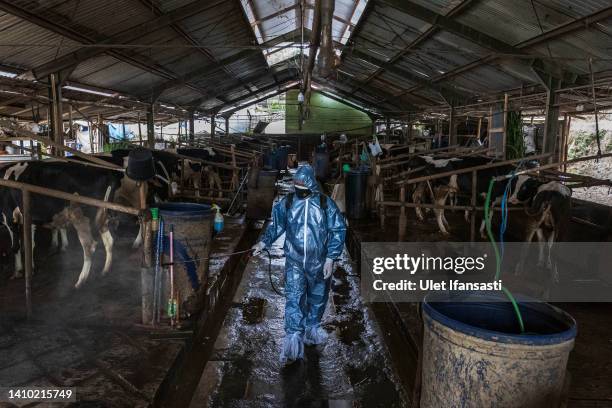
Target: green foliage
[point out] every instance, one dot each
(109, 147)
(515, 144)
(585, 143)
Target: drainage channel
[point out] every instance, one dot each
(181, 384)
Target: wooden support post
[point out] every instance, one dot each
(150, 127)
(56, 111)
(99, 126)
(473, 204)
(235, 181)
(489, 126)
(479, 128)
(452, 130)
(227, 129)
(388, 131)
(567, 133)
(27, 243)
(191, 126)
(139, 130)
(213, 125)
(401, 234)
(71, 123)
(505, 134)
(551, 126)
(91, 137)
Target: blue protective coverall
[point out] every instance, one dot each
(312, 235)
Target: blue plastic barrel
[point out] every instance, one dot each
(475, 356)
(270, 160)
(282, 156)
(192, 225)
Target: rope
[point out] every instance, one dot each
(208, 258)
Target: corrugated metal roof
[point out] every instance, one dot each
(384, 33)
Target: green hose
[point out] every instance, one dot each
(498, 259)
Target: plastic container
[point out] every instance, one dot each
(193, 226)
(140, 164)
(356, 186)
(475, 356)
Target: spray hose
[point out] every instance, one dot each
(498, 256)
(278, 292)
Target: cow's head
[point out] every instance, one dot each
(526, 188)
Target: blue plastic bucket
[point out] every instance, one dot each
(475, 356)
(192, 225)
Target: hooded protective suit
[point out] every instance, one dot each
(312, 235)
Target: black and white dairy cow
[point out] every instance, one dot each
(447, 188)
(54, 213)
(195, 171)
(547, 212)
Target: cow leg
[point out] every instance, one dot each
(18, 273)
(196, 184)
(540, 236)
(18, 266)
(55, 238)
(440, 194)
(83, 229)
(138, 241)
(553, 267)
(532, 228)
(483, 223)
(417, 197)
(64, 236)
(107, 240)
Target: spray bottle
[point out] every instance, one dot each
(218, 226)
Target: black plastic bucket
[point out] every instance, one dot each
(356, 185)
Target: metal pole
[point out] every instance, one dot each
(27, 243)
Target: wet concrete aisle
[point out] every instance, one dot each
(351, 370)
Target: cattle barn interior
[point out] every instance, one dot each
(161, 239)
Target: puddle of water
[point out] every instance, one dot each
(253, 310)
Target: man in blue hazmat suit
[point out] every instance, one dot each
(314, 238)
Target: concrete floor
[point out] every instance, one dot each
(352, 370)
